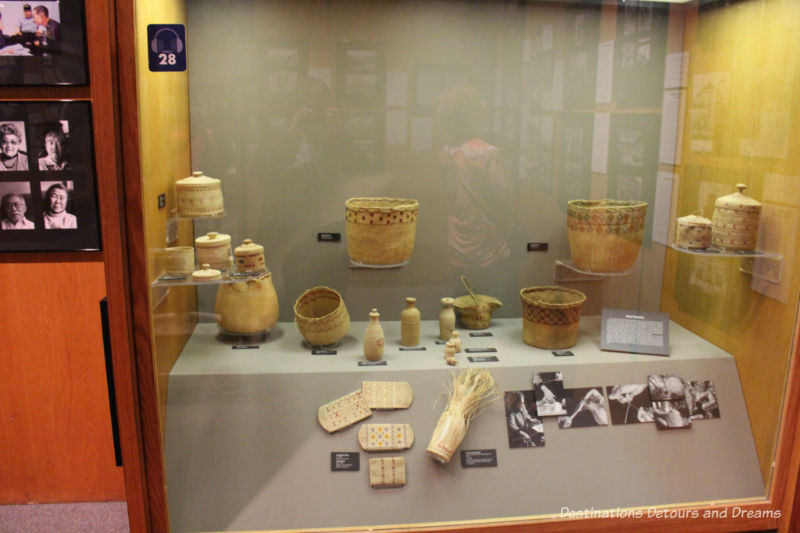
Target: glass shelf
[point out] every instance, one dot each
(187, 281)
(717, 252)
(565, 270)
(174, 219)
(763, 265)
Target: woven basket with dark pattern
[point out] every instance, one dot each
(554, 306)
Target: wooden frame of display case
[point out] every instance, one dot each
(146, 480)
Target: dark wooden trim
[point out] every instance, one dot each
(145, 371)
(783, 491)
(786, 478)
(102, 57)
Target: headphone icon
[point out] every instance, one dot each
(171, 43)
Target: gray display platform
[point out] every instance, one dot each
(244, 449)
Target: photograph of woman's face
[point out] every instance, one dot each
(57, 201)
(52, 146)
(9, 145)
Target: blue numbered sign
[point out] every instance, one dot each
(166, 47)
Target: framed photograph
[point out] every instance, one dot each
(42, 43)
(47, 177)
(285, 66)
(361, 74)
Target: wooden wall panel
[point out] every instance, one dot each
(55, 426)
(743, 83)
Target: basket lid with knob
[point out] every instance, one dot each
(197, 178)
(738, 200)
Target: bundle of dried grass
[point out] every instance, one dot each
(471, 391)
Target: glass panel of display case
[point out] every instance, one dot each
(521, 167)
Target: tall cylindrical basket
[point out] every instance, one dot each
(380, 231)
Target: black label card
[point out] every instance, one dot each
(478, 458)
(483, 359)
(372, 363)
(344, 461)
(245, 347)
(322, 351)
(537, 246)
(329, 237)
(481, 350)
(563, 353)
(440, 341)
(412, 348)
(482, 334)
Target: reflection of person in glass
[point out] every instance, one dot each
(54, 141)
(480, 200)
(523, 429)
(55, 209)
(11, 158)
(14, 209)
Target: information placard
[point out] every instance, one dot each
(642, 332)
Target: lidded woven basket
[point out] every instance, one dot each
(550, 316)
(605, 235)
(380, 231)
(734, 224)
(199, 196)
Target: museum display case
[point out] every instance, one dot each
(387, 166)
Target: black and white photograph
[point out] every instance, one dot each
(54, 198)
(366, 60)
(666, 387)
(640, 55)
(630, 404)
(703, 397)
(361, 74)
(586, 407)
(55, 152)
(13, 147)
(548, 388)
(672, 414)
(284, 64)
(525, 428)
(16, 205)
(57, 205)
(42, 43)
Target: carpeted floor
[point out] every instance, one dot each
(94, 517)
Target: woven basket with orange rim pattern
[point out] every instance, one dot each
(605, 235)
(380, 231)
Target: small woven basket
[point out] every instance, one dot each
(321, 316)
(605, 235)
(380, 231)
(550, 316)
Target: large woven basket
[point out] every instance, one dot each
(605, 235)
(321, 316)
(380, 231)
(550, 316)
